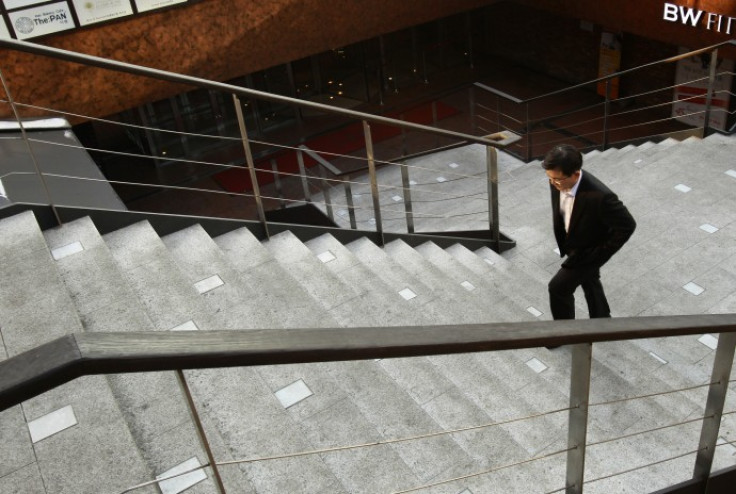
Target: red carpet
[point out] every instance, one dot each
(342, 141)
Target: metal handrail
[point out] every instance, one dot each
(526, 103)
(609, 77)
(163, 75)
(47, 366)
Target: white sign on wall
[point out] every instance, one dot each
(146, 5)
(38, 21)
(16, 4)
(91, 11)
(691, 91)
(4, 33)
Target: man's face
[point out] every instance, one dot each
(561, 181)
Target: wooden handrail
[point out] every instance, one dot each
(38, 370)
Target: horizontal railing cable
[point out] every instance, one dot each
(647, 431)
(485, 472)
(127, 124)
(651, 395)
(334, 181)
(385, 442)
(447, 432)
(641, 467)
(242, 194)
(589, 135)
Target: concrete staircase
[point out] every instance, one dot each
(109, 433)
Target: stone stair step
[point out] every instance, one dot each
(394, 275)
(438, 281)
(153, 403)
(102, 298)
(490, 289)
(34, 295)
(530, 295)
(411, 308)
(348, 306)
(235, 303)
(258, 267)
(37, 307)
(169, 298)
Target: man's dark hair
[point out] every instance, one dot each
(565, 158)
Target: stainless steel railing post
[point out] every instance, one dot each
(41, 177)
(349, 200)
(325, 186)
(528, 128)
(372, 173)
(406, 187)
(580, 365)
(200, 431)
(606, 113)
(711, 89)
(714, 404)
(250, 163)
(493, 214)
(277, 182)
(303, 175)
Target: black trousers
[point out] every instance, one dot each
(562, 288)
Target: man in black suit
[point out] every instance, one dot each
(590, 225)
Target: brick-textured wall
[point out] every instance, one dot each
(215, 39)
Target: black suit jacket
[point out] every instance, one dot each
(599, 226)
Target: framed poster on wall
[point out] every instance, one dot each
(37, 21)
(24, 19)
(146, 5)
(4, 33)
(18, 4)
(101, 10)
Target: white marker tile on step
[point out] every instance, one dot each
(326, 256)
(441, 179)
(397, 198)
(657, 357)
(372, 221)
(51, 423)
(682, 188)
(293, 393)
(533, 311)
(488, 261)
(708, 228)
(187, 326)
(536, 365)
(467, 285)
(694, 288)
(207, 284)
(731, 173)
(453, 165)
(638, 161)
(709, 340)
(407, 294)
(412, 182)
(180, 483)
(66, 250)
